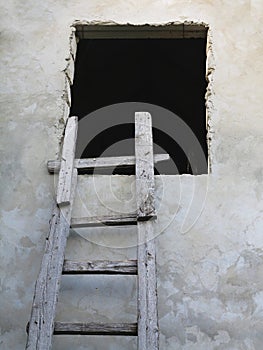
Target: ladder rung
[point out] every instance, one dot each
(106, 267)
(129, 219)
(103, 162)
(129, 329)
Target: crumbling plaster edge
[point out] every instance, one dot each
(67, 76)
(210, 68)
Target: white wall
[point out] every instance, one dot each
(210, 262)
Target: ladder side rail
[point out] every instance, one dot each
(67, 162)
(148, 334)
(41, 324)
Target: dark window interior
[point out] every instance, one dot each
(169, 73)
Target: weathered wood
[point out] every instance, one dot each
(67, 162)
(129, 219)
(142, 288)
(103, 162)
(170, 31)
(128, 267)
(128, 329)
(148, 335)
(144, 166)
(41, 324)
(151, 286)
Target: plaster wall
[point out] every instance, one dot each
(209, 229)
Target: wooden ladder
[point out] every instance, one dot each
(42, 325)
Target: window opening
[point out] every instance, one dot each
(155, 67)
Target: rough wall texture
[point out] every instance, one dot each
(210, 261)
